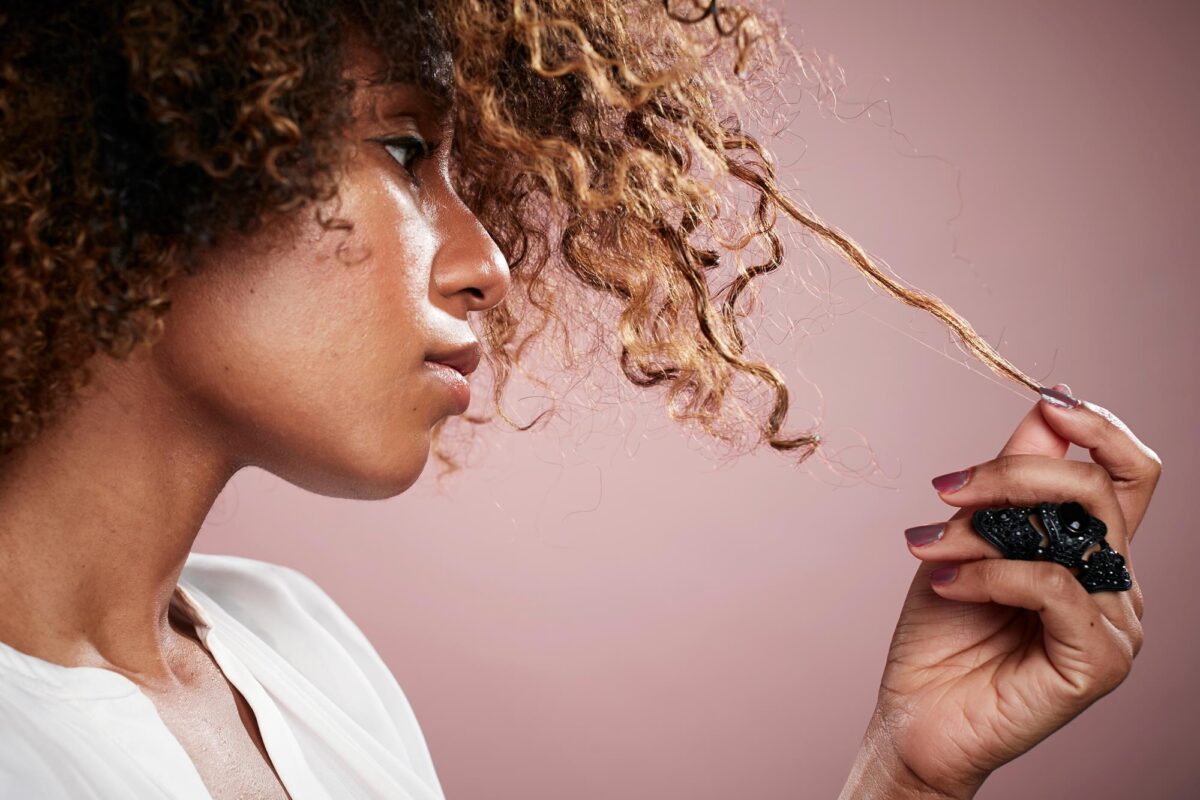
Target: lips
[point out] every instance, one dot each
(464, 358)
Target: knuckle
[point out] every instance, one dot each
(1137, 638)
(1017, 466)
(1056, 581)
(1153, 464)
(993, 572)
(1113, 429)
(1105, 678)
(1121, 665)
(1113, 670)
(1138, 599)
(1003, 468)
(986, 570)
(1110, 679)
(1099, 482)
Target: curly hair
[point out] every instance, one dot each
(597, 141)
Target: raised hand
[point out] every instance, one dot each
(992, 655)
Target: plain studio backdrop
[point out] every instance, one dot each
(603, 609)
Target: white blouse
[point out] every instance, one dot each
(333, 719)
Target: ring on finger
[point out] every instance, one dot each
(1061, 532)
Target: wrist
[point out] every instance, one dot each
(881, 773)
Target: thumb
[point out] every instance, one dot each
(1034, 436)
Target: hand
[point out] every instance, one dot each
(983, 667)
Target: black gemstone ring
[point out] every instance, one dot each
(1062, 532)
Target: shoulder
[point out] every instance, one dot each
(33, 738)
(296, 618)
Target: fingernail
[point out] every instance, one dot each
(943, 574)
(951, 481)
(1060, 396)
(924, 534)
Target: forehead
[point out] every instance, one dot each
(423, 74)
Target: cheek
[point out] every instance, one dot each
(309, 362)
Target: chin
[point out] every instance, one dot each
(384, 472)
(389, 476)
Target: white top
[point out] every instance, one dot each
(333, 719)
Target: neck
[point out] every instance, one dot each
(97, 516)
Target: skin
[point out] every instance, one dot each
(280, 353)
(304, 354)
(984, 667)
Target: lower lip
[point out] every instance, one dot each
(455, 381)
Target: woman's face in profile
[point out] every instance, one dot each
(307, 348)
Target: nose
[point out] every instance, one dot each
(469, 267)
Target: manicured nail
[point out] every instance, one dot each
(944, 574)
(951, 481)
(924, 534)
(1060, 396)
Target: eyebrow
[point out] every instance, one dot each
(430, 70)
(442, 104)
(436, 114)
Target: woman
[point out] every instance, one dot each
(320, 195)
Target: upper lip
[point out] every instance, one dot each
(464, 358)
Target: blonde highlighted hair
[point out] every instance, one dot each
(598, 141)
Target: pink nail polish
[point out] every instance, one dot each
(924, 534)
(951, 481)
(1059, 396)
(944, 574)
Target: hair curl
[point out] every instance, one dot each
(597, 141)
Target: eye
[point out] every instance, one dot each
(407, 150)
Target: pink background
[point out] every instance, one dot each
(604, 610)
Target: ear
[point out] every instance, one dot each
(1034, 436)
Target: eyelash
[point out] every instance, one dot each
(413, 143)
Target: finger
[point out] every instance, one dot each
(1026, 480)
(1133, 467)
(953, 540)
(1034, 436)
(956, 541)
(1086, 647)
